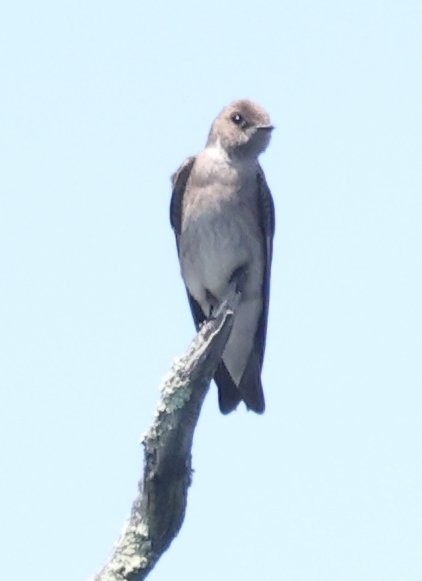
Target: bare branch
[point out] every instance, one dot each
(158, 511)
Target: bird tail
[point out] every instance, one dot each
(250, 388)
(228, 392)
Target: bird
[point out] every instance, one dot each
(222, 214)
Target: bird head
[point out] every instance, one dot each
(243, 128)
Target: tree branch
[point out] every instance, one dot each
(159, 509)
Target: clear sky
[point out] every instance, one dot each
(100, 103)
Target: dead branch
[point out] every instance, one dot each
(159, 509)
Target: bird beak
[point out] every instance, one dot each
(265, 127)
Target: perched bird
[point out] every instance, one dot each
(222, 213)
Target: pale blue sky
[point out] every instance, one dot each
(100, 102)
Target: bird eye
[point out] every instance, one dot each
(237, 118)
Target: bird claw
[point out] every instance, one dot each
(239, 277)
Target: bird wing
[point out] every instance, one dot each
(179, 180)
(267, 225)
(250, 385)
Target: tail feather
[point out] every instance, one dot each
(228, 393)
(251, 386)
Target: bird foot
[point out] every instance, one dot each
(239, 278)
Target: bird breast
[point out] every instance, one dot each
(219, 234)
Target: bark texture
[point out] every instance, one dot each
(158, 511)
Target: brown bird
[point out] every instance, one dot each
(222, 213)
